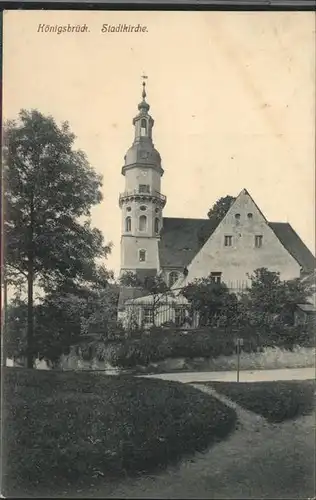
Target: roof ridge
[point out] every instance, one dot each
(188, 218)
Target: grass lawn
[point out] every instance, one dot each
(276, 401)
(62, 429)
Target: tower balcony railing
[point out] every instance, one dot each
(141, 194)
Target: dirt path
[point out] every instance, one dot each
(258, 460)
(245, 375)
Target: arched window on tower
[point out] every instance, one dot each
(156, 225)
(173, 276)
(143, 127)
(142, 223)
(128, 224)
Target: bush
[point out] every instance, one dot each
(285, 336)
(210, 344)
(139, 352)
(160, 343)
(269, 358)
(66, 428)
(276, 401)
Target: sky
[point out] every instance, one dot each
(232, 95)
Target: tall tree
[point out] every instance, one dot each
(49, 190)
(220, 208)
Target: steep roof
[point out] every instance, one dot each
(294, 245)
(181, 240)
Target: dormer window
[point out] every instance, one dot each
(249, 215)
(237, 216)
(143, 127)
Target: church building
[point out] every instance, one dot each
(182, 249)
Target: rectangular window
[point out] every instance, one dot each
(144, 188)
(148, 317)
(179, 316)
(216, 277)
(258, 241)
(228, 241)
(142, 255)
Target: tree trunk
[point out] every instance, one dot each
(5, 322)
(30, 319)
(30, 280)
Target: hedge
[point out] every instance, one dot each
(161, 343)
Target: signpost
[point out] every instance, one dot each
(239, 343)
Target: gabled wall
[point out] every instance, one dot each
(234, 262)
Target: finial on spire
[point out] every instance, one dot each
(144, 106)
(144, 90)
(144, 77)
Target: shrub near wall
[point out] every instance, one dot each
(212, 343)
(202, 343)
(291, 336)
(270, 358)
(140, 352)
(159, 344)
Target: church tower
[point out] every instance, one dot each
(142, 202)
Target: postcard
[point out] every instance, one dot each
(159, 253)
